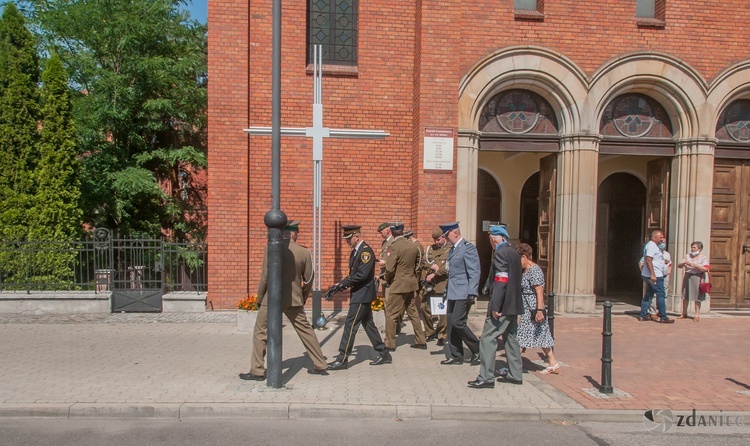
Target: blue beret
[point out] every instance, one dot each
(499, 230)
(448, 227)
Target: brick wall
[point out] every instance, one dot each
(412, 56)
(228, 151)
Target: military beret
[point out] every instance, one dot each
(437, 232)
(383, 226)
(292, 226)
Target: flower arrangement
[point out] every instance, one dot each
(377, 304)
(249, 303)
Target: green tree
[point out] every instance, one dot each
(19, 95)
(57, 213)
(139, 68)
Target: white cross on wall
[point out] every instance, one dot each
(317, 132)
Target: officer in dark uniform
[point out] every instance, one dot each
(361, 280)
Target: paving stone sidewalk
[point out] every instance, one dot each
(143, 359)
(156, 364)
(682, 366)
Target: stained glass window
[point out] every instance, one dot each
(635, 116)
(333, 24)
(734, 122)
(518, 111)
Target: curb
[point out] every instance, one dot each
(296, 411)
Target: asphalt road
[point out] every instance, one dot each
(41, 432)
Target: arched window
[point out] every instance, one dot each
(635, 116)
(734, 123)
(518, 112)
(636, 124)
(733, 131)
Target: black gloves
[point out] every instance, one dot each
(331, 291)
(486, 290)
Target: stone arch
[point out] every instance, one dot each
(496, 178)
(671, 82)
(549, 74)
(632, 172)
(730, 85)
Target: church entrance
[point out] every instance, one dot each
(730, 234)
(620, 230)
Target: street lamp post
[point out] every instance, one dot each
(275, 219)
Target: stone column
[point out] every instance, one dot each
(575, 223)
(690, 199)
(467, 170)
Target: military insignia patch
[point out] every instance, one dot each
(365, 257)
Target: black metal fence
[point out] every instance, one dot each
(103, 263)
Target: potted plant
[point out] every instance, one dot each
(378, 315)
(247, 313)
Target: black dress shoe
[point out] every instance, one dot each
(481, 384)
(452, 361)
(430, 338)
(383, 359)
(419, 346)
(323, 372)
(441, 342)
(505, 379)
(338, 365)
(251, 377)
(475, 359)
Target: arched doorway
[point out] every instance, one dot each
(730, 229)
(489, 205)
(620, 215)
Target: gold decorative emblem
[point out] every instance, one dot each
(365, 257)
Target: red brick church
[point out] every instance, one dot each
(580, 124)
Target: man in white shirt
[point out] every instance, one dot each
(653, 312)
(653, 276)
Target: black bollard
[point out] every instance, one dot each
(551, 313)
(607, 349)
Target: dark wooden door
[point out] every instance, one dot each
(489, 204)
(602, 249)
(657, 196)
(730, 235)
(546, 237)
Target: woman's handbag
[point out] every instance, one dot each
(705, 285)
(533, 314)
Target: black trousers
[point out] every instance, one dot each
(458, 331)
(359, 314)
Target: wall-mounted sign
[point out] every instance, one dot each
(487, 223)
(438, 148)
